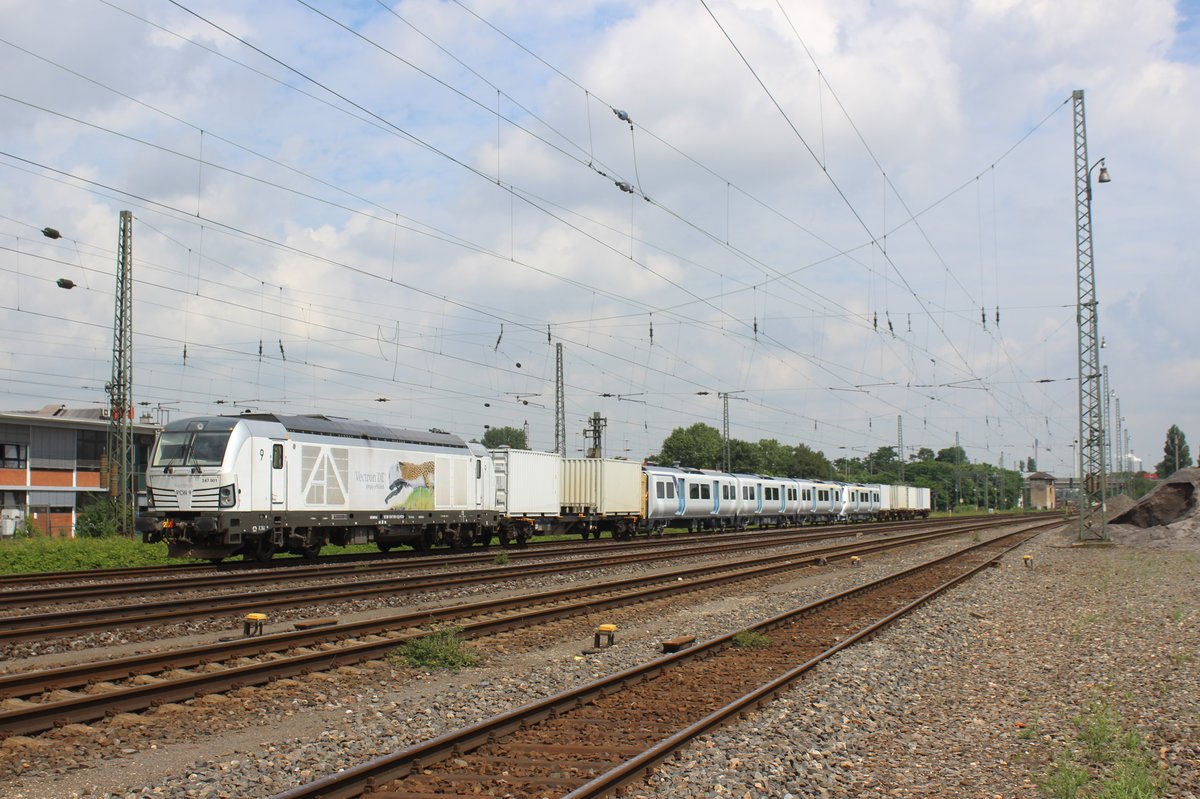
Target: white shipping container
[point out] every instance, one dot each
(604, 486)
(528, 483)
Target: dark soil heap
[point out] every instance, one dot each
(1165, 518)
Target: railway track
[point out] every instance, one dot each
(162, 677)
(131, 576)
(43, 624)
(589, 741)
(93, 591)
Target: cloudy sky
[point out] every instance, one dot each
(841, 213)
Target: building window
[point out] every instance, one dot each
(89, 448)
(14, 456)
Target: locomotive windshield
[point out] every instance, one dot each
(190, 448)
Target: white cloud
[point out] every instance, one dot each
(745, 225)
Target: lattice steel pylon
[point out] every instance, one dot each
(120, 388)
(560, 412)
(1120, 456)
(1108, 425)
(1094, 489)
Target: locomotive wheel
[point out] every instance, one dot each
(312, 545)
(262, 550)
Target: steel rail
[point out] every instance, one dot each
(38, 717)
(27, 627)
(78, 593)
(65, 677)
(375, 774)
(473, 554)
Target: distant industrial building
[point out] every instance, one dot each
(1040, 491)
(50, 466)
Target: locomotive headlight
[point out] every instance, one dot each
(227, 496)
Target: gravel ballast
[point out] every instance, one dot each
(974, 695)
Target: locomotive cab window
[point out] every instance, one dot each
(190, 448)
(277, 456)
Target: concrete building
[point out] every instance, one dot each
(1042, 495)
(50, 466)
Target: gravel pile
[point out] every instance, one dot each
(972, 696)
(1166, 518)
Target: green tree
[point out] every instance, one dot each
(743, 457)
(1176, 455)
(925, 454)
(496, 437)
(807, 462)
(775, 458)
(695, 447)
(953, 455)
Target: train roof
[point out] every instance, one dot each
(319, 424)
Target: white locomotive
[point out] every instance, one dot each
(256, 484)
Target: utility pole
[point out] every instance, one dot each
(120, 388)
(725, 457)
(1120, 441)
(595, 431)
(900, 443)
(1094, 484)
(957, 472)
(560, 413)
(1107, 415)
